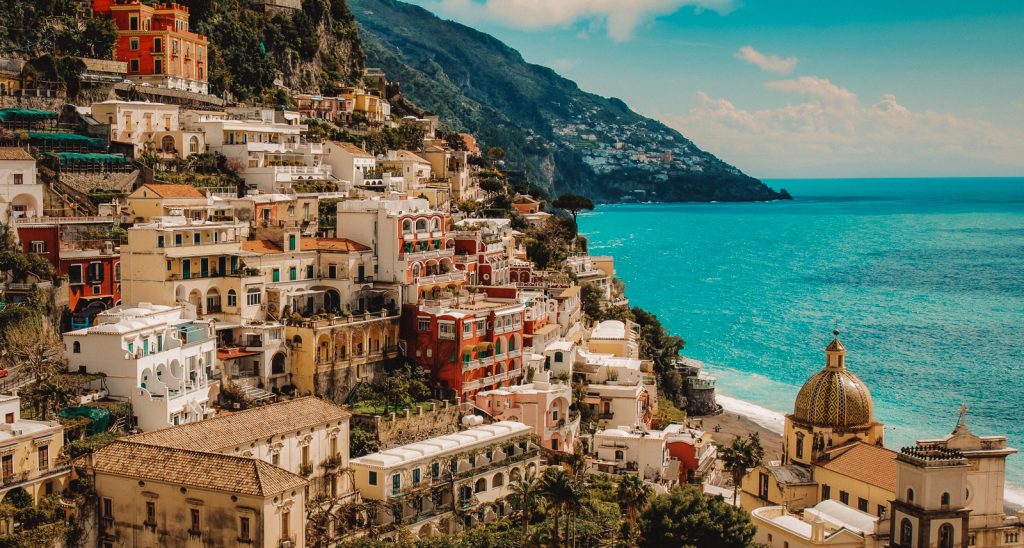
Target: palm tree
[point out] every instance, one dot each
(576, 463)
(739, 456)
(561, 493)
(525, 492)
(632, 495)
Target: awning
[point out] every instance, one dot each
(484, 346)
(302, 292)
(235, 353)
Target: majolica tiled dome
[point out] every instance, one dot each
(834, 397)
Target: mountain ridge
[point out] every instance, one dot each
(566, 139)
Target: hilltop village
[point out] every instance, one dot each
(323, 321)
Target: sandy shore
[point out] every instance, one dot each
(732, 425)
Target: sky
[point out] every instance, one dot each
(794, 88)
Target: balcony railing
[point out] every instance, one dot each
(427, 254)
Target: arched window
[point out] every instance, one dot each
(435, 224)
(946, 536)
(76, 347)
(481, 485)
(497, 346)
(944, 500)
(906, 533)
(232, 298)
(167, 144)
(421, 225)
(193, 145)
(799, 445)
(910, 495)
(498, 480)
(558, 357)
(406, 226)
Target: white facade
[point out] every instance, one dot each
(21, 195)
(349, 162)
(637, 451)
(152, 356)
(144, 124)
(266, 146)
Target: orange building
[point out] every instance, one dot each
(157, 44)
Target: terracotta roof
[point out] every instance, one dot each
(175, 191)
(352, 149)
(194, 468)
(864, 462)
(237, 429)
(524, 199)
(261, 246)
(332, 244)
(233, 353)
(14, 153)
(571, 291)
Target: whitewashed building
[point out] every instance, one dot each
(152, 356)
(21, 195)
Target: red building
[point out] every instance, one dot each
(485, 262)
(94, 275)
(694, 450)
(468, 344)
(157, 44)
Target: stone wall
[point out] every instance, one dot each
(426, 421)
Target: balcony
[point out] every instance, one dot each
(470, 365)
(515, 353)
(428, 254)
(305, 469)
(471, 385)
(486, 360)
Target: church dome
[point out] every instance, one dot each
(834, 397)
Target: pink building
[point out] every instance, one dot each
(543, 405)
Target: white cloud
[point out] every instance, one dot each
(620, 17)
(830, 132)
(770, 62)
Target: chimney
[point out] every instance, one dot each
(108, 248)
(817, 530)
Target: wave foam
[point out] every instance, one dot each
(767, 418)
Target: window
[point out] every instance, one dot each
(423, 324)
(285, 525)
(150, 512)
(826, 492)
(881, 511)
(332, 271)
(844, 497)
(446, 330)
(416, 476)
(946, 536)
(177, 240)
(232, 298)
(906, 533)
(292, 273)
(195, 519)
(108, 508)
(158, 45)
(435, 470)
(37, 246)
(197, 238)
(862, 504)
(291, 242)
(944, 500)
(253, 296)
(799, 445)
(133, 44)
(275, 275)
(44, 457)
(275, 459)
(117, 272)
(133, 23)
(75, 274)
(373, 478)
(243, 528)
(619, 455)
(910, 495)
(76, 347)
(158, 66)
(95, 273)
(467, 330)
(396, 483)
(309, 272)
(762, 486)
(133, 65)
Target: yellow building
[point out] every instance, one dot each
(29, 453)
(150, 495)
(156, 200)
(832, 436)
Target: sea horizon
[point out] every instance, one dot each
(924, 283)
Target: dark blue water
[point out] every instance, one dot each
(925, 279)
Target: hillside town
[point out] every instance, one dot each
(324, 322)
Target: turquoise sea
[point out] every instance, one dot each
(924, 278)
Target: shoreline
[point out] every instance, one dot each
(740, 418)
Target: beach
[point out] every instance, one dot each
(740, 418)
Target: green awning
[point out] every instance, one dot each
(67, 158)
(25, 114)
(67, 139)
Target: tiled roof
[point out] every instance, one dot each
(14, 153)
(175, 191)
(261, 246)
(229, 431)
(352, 149)
(194, 468)
(332, 244)
(868, 463)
